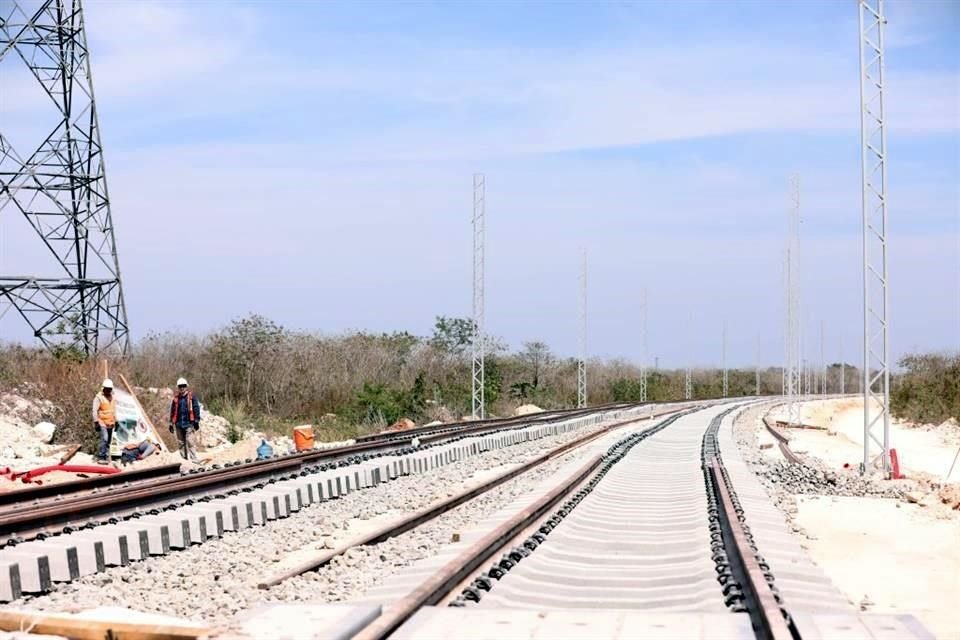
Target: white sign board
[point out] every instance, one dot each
(131, 425)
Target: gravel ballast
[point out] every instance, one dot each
(783, 479)
(215, 581)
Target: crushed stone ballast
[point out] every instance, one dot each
(36, 566)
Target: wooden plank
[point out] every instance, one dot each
(84, 629)
(69, 454)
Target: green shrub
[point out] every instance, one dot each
(928, 391)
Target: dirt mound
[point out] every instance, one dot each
(526, 409)
(403, 424)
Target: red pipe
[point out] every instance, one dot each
(26, 476)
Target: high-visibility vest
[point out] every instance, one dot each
(107, 410)
(175, 409)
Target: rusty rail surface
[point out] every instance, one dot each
(39, 492)
(783, 442)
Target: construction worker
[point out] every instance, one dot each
(104, 419)
(185, 419)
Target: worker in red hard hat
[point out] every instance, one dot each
(104, 419)
(185, 419)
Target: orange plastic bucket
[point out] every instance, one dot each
(303, 438)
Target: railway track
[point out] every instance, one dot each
(666, 534)
(12, 501)
(140, 521)
(133, 493)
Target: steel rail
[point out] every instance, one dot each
(548, 414)
(439, 508)
(439, 584)
(257, 468)
(122, 501)
(39, 492)
(769, 622)
(783, 442)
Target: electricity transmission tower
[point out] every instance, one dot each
(843, 370)
(60, 186)
(873, 173)
(643, 346)
(823, 363)
(688, 378)
(725, 389)
(793, 339)
(479, 336)
(757, 382)
(582, 361)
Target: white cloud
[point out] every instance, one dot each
(365, 222)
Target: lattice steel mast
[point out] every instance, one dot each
(643, 345)
(479, 335)
(843, 370)
(61, 187)
(873, 172)
(759, 352)
(793, 338)
(688, 378)
(582, 360)
(725, 389)
(823, 363)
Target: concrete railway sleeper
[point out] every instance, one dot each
(55, 505)
(652, 536)
(79, 503)
(35, 566)
(441, 584)
(430, 513)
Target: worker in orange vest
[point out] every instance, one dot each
(104, 419)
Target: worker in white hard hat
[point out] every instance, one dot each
(185, 419)
(104, 419)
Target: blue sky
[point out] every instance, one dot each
(312, 162)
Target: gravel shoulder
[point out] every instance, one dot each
(889, 546)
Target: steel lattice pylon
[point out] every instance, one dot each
(479, 335)
(873, 165)
(643, 346)
(792, 334)
(61, 187)
(725, 379)
(759, 355)
(582, 360)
